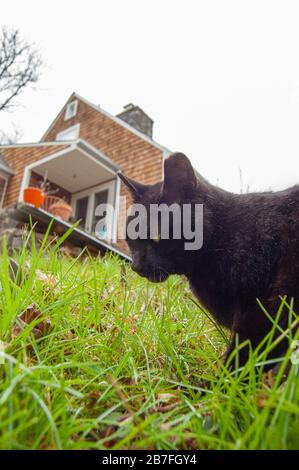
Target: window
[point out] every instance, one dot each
(84, 204)
(81, 210)
(100, 198)
(72, 133)
(71, 110)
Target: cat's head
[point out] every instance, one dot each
(154, 256)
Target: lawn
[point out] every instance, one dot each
(119, 365)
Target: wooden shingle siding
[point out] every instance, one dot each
(137, 158)
(18, 158)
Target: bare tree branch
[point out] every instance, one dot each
(20, 66)
(11, 138)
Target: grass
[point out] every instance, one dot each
(121, 364)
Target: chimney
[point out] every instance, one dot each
(137, 118)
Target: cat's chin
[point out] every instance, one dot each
(157, 276)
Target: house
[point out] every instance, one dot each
(80, 154)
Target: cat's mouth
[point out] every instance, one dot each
(156, 275)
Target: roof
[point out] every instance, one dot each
(79, 143)
(113, 118)
(97, 154)
(38, 144)
(4, 166)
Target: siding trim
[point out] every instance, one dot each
(116, 210)
(37, 144)
(91, 151)
(4, 189)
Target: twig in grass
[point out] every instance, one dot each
(114, 382)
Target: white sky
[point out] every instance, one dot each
(219, 78)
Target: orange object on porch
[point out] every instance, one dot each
(61, 209)
(34, 196)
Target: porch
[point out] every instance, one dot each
(82, 177)
(25, 214)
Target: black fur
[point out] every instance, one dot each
(250, 251)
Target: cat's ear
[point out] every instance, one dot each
(135, 188)
(179, 174)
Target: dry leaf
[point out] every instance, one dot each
(29, 315)
(165, 426)
(167, 402)
(262, 396)
(166, 397)
(71, 251)
(49, 279)
(49, 282)
(261, 399)
(268, 378)
(92, 398)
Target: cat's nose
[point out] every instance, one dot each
(136, 267)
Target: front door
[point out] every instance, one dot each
(84, 209)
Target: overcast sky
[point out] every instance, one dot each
(219, 78)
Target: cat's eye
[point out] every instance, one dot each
(157, 238)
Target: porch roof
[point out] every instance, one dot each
(23, 213)
(76, 167)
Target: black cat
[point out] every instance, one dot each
(250, 251)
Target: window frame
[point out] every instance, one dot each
(76, 207)
(90, 193)
(76, 128)
(68, 114)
